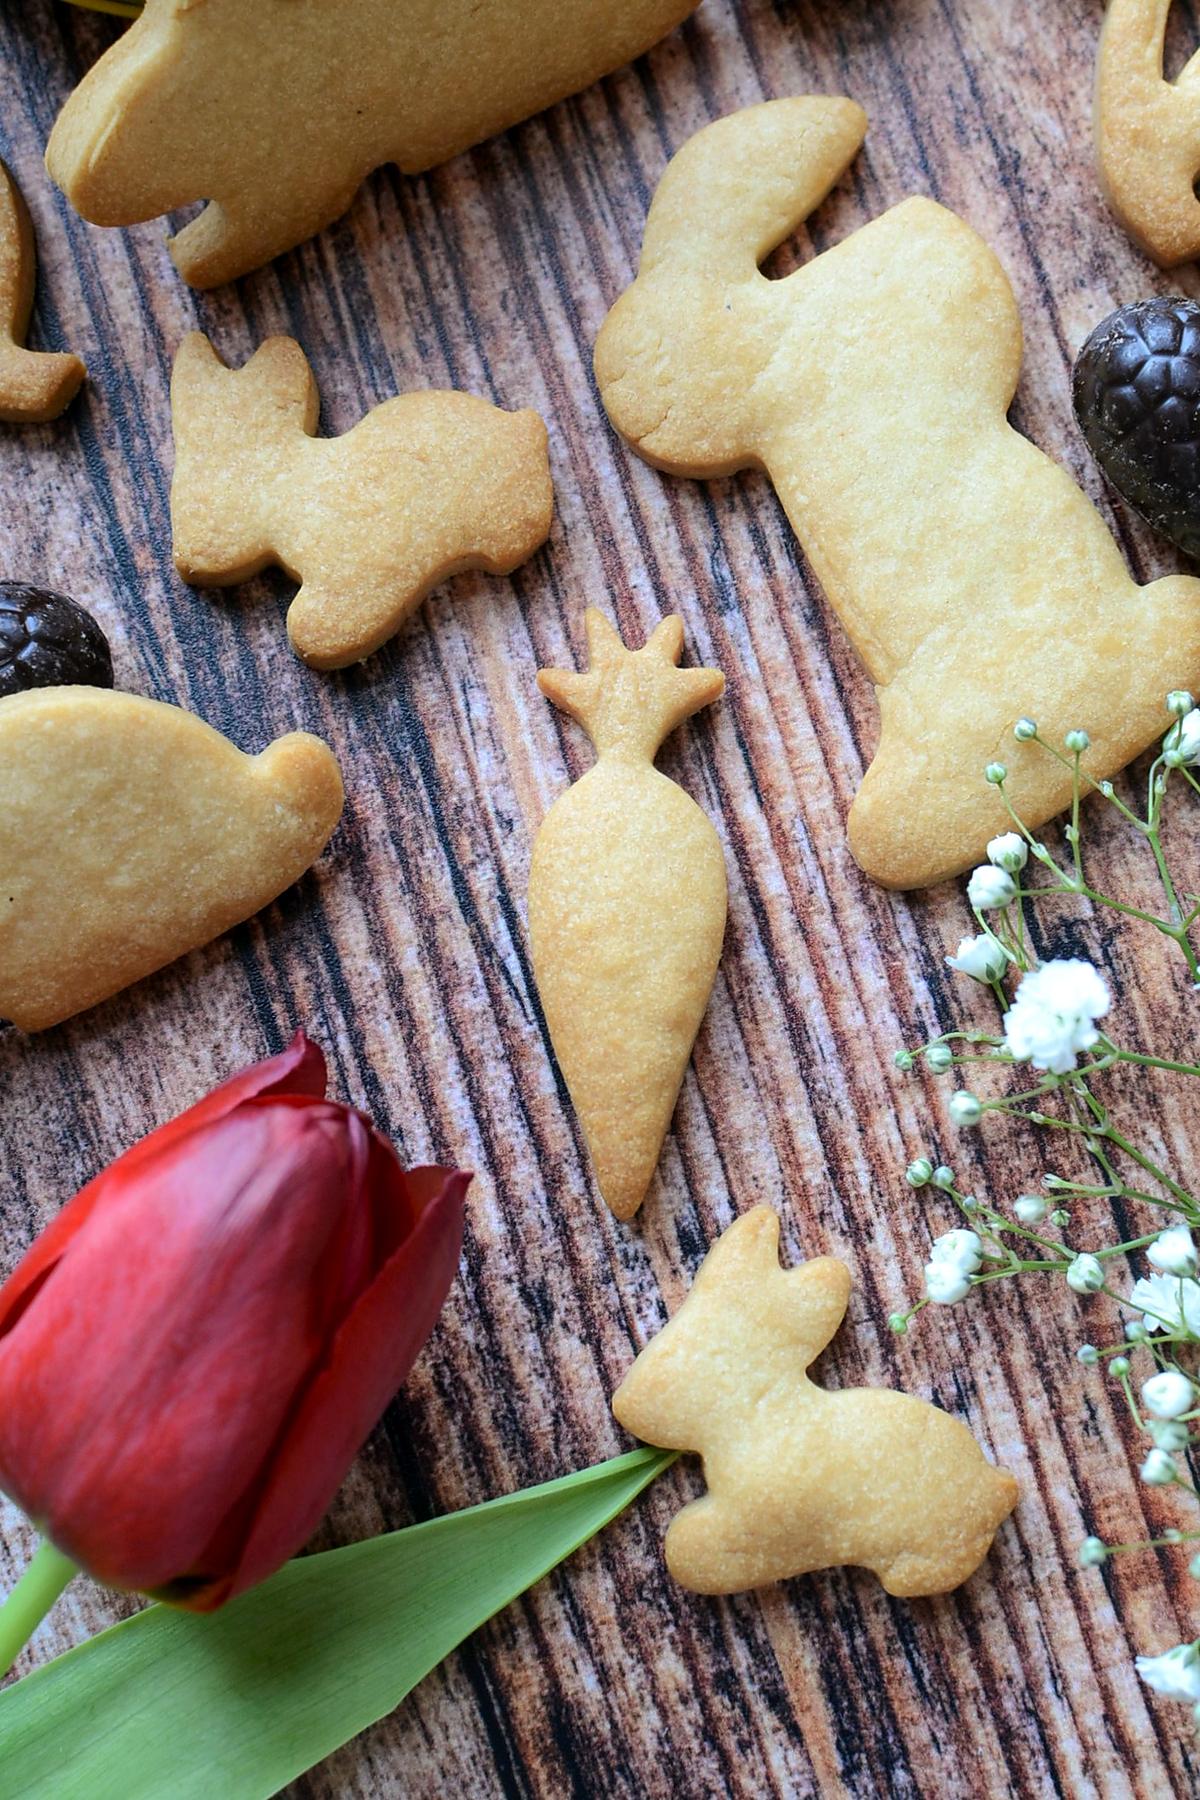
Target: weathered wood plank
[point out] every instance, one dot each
(406, 954)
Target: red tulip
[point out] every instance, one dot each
(193, 1352)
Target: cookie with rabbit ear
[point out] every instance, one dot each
(273, 111)
(799, 1477)
(978, 584)
(35, 385)
(1147, 132)
(424, 487)
(627, 898)
(132, 832)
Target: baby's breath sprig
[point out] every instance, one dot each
(1050, 1024)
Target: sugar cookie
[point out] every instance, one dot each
(35, 385)
(627, 900)
(131, 832)
(275, 110)
(1148, 132)
(975, 580)
(422, 488)
(800, 1478)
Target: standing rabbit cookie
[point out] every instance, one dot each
(627, 899)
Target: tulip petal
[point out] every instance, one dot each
(369, 1359)
(300, 1069)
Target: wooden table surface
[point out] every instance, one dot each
(405, 952)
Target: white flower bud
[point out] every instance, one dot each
(982, 957)
(1085, 1275)
(918, 1172)
(944, 1283)
(1175, 1673)
(1118, 1368)
(1030, 1209)
(1092, 1552)
(965, 1109)
(1169, 1434)
(1184, 738)
(939, 1057)
(989, 888)
(1158, 1470)
(1088, 1355)
(1174, 1252)
(1179, 701)
(961, 1249)
(1009, 851)
(1168, 1394)
(1077, 742)
(943, 1177)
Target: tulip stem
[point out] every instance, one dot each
(39, 1587)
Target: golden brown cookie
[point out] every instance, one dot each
(627, 901)
(35, 385)
(800, 1478)
(1148, 132)
(975, 580)
(131, 832)
(275, 110)
(422, 488)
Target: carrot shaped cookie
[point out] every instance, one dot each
(1148, 132)
(800, 1478)
(425, 486)
(976, 581)
(35, 385)
(627, 899)
(132, 832)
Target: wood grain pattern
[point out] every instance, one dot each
(405, 952)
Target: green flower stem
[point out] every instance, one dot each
(49, 1572)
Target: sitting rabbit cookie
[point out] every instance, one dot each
(424, 487)
(275, 110)
(627, 900)
(800, 1478)
(1148, 132)
(131, 832)
(35, 385)
(975, 580)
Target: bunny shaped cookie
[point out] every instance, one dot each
(976, 581)
(799, 1478)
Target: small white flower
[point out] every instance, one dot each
(989, 887)
(1184, 738)
(1158, 1470)
(1170, 1434)
(1175, 1673)
(965, 1108)
(1174, 1252)
(1009, 852)
(1168, 1394)
(982, 958)
(1085, 1275)
(1167, 1301)
(1054, 1013)
(1031, 1209)
(944, 1283)
(961, 1250)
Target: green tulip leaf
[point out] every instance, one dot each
(239, 1702)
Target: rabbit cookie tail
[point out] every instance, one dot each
(628, 701)
(34, 385)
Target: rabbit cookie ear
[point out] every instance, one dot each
(1147, 132)
(34, 385)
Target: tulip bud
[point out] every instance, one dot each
(193, 1352)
